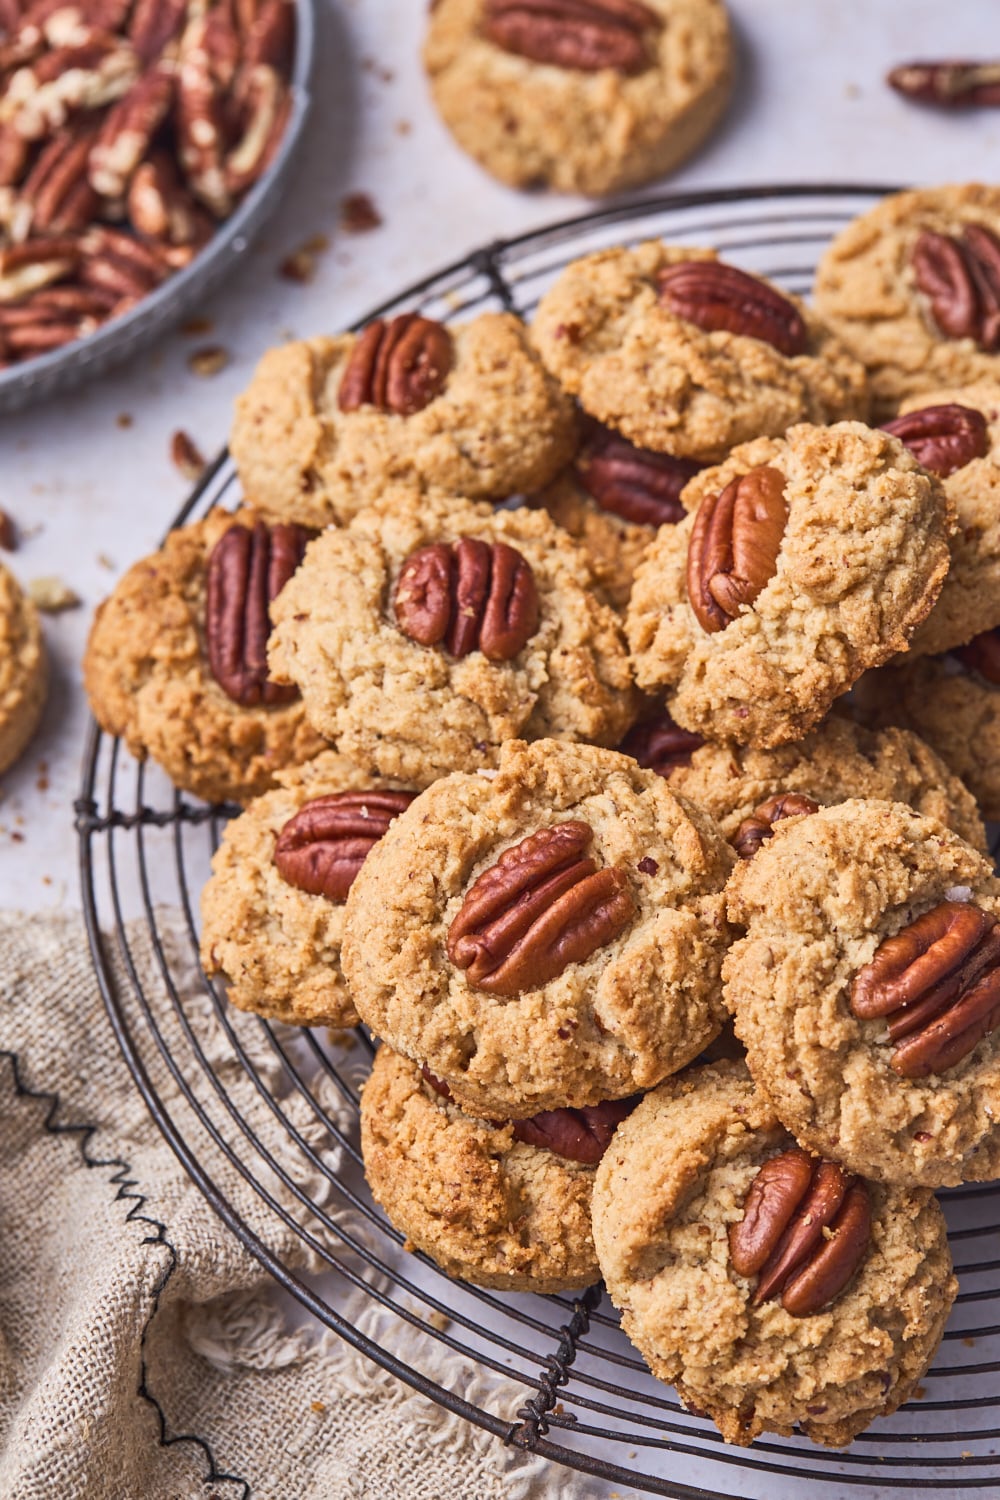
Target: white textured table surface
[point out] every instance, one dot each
(92, 495)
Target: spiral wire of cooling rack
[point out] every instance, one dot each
(265, 1119)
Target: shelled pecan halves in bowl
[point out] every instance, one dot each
(129, 130)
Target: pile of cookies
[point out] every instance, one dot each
(685, 964)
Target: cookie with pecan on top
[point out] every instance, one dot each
(545, 935)
(912, 289)
(176, 661)
(684, 354)
(327, 424)
(867, 991)
(806, 560)
(824, 1330)
(584, 96)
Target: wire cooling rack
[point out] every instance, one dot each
(265, 1119)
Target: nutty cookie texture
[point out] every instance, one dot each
(430, 630)
(865, 989)
(587, 98)
(24, 671)
(175, 661)
(688, 356)
(549, 934)
(809, 559)
(273, 910)
(487, 1207)
(953, 702)
(911, 289)
(674, 1207)
(955, 433)
(834, 763)
(328, 423)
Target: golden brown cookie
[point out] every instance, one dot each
(672, 1201)
(149, 677)
(487, 1206)
(835, 762)
(385, 634)
(898, 288)
(871, 1054)
(953, 702)
(588, 105)
(473, 411)
(956, 435)
(600, 982)
(809, 558)
(24, 670)
(690, 357)
(273, 911)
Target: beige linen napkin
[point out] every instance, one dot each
(143, 1353)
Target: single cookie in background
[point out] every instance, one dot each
(955, 434)
(808, 559)
(612, 499)
(584, 98)
(498, 1202)
(834, 763)
(546, 935)
(689, 356)
(690, 1202)
(24, 670)
(953, 702)
(866, 989)
(273, 911)
(327, 424)
(430, 630)
(912, 288)
(176, 665)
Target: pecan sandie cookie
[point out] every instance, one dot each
(545, 935)
(807, 559)
(24, 671)
(430, 630)
(327, 424)
(176, 661)
(502, 1203)
(867, 991)
(773, 1289)
(585, 98)
(684, 354)
(273, 910)
(913, 288)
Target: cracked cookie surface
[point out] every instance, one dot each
(640, 1006)
(816, 902)
(148, 679)
(673, 1180)
(534, 124)
(499, 426)
(416, 712)
(861, 561)
(669, 385)
(488, 1208)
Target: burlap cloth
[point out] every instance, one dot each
(144, 1354)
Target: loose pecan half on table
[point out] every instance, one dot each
(129, 129)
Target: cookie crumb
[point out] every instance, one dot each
(358, 214)
(104, 561)
(299, 267)
(195, 326)
(208, 361)
(186, 457)
(8, 533)
(319, 1407)
(42, 783)
(124, 419)
(438, 1320)
(51, 595)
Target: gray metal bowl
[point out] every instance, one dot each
(117, 340)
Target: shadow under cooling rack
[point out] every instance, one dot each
(265, 1117)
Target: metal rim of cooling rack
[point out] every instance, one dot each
(564, 1322)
